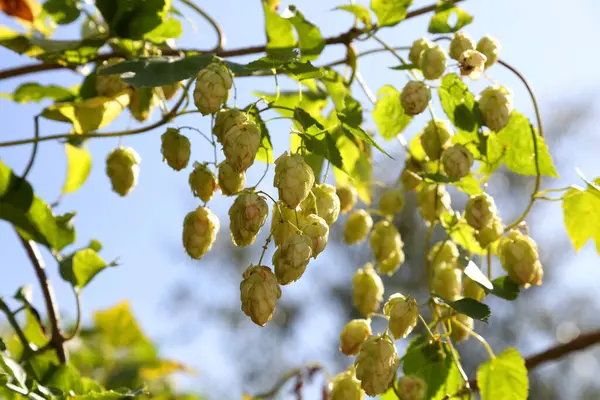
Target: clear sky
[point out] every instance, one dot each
(550, 41)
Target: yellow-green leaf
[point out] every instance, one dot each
(279, 31)
(119, 326)
(504, 377)
(390, 12)
(360, 12)
(389, 114)
(440, 22)
(79, 165)
(581, 210)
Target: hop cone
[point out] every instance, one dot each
(175, 148)
(230, 181)
(200, 228)
(240, 145)
(433, 62)
(203, 182)
(259, 293)
(471, 289)
(283, 223)
(480, 210)
(417, 48)
(489, 47)
(353, 335)
(324, 202)
(367, 290)
(403, 314)
(410, 174)
(358, 225)
(141, 102)
(247, 215)
(110, 85)
(432, 200)
(435, 138)
(293, 179)
(490, 233)
(457, 324)
(520, 258)
(376, 364)
(212, 88)
(472, 64)
(317, 230)
(391, 201)
(345, 386)
(347, 195)
(226, 119)
(457, 161)
(387, 245)
(291, 258)
(123, 169)
(444, 252)
(170, 90)
(496, 106)
(415, 97)
(460, 43)
(447, 282)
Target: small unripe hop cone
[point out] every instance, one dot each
(291, 258)
(123, 169)
(520, 258)
(490, 233)
(403, 315)
(353, 336)
(110, 85)
(461, 42)
(432, 201)
(472, 64)
(417, 48)
(212, 88)
(410, 174)
(240, 145)
(247, 215)
(387, 245)
(376, 364)
(317, 230)
(259, 292)
(496, 106)
(411, 387)
(457, 161)
(348, 197)
(480, 210)
(322, 201)
(345, 386)
(435, 139)
(447, 282)
(175, 149)
(391, 201)
(293, 179)
(367, 290)
(443, 253)
(284, 222)
(357, 228)
(460, 325)
(433, 62)
(200, 228)
(202, 182)
(415, 97)
(225, 119)
(489, 47)
(230, 181)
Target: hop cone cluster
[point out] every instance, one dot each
(496, 106)
(345, 386)
(520, 258)
(387, 245)
(292, 257)
(347, 196)
(230, 181)
(324, 202)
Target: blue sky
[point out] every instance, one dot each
(549, 41)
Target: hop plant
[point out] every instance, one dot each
(415, 97)
(123, 169)
(141, 103)
(411, 387)
(175, 148)
(345, 386)
(432, 201)
(240, 145)
(403, 314)
(203, 182)
(520, 258)
(247, 215)
(293, 179)
(357, 228)
(226, 119)
(495, 103)
(490, 233)
(259, 293)
(457, 161)
(417, 48)
(444, 252)
(391, 201)
(447, 282)
(489, 47)
(367, 290)
(460, 325)
(480, 210)
(410, 174)
(169, 91)
(347, 196)
(324, 202)
(472, 289)
(283, 222)
(461, 42)
(376, 364)
(110, 85)
(435, 138)
(391, 264)
(291, 258)
(387, 245)
(472, 64)
(353, 336)
(200, 228)
(230, 181)
(317, 230)
(433, 62)
(212, 88)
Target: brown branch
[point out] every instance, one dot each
(56, 338)
(343, 38)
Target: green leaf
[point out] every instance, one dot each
(32, 216)
(464, 235)
(336, 87)
(81, 267)
(440, 21)
(505, 288)
(88, 115)
(265, 151)
(34, 92)
(357, 167)
(360, 12)
(459, 103)
(514, 146)
(389, 114)
(437, 178)
(352, 113)
(390, 12)
(429, 360)
(504, 377)
(79, 165)
(62, 11)
(131, 19)
(404, 67)
(13, 369)
(24, 294)
(469, 185)
(119, 327)
(65, 378)
(169, 29)
(279, 30)
(581, 211)
(324, 146)
(310, 40)
(470, 307)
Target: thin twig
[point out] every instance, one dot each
(36, 133)
(10, 316)
(220, 34)
(310, 369)
(77, 326)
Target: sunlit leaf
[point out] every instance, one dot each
(120, 327)
(390, 12)
(310, 41)
(169, 29)
(79, 165)
(389, 114)
(132, 19)
(581, 211)
(360, 12)
(81, 267)
(504, 377)
(440, 22)
(459, 103)
(279, 30)
(34, 92)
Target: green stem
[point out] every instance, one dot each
(478, 337)
(266, 245)
(395, 53)
(77, 326)
(426, 326)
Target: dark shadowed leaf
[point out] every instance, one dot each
(62, 11)
(505, 288)
(470, 307)
(34, 92)
(459, 103)
(131, 19)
